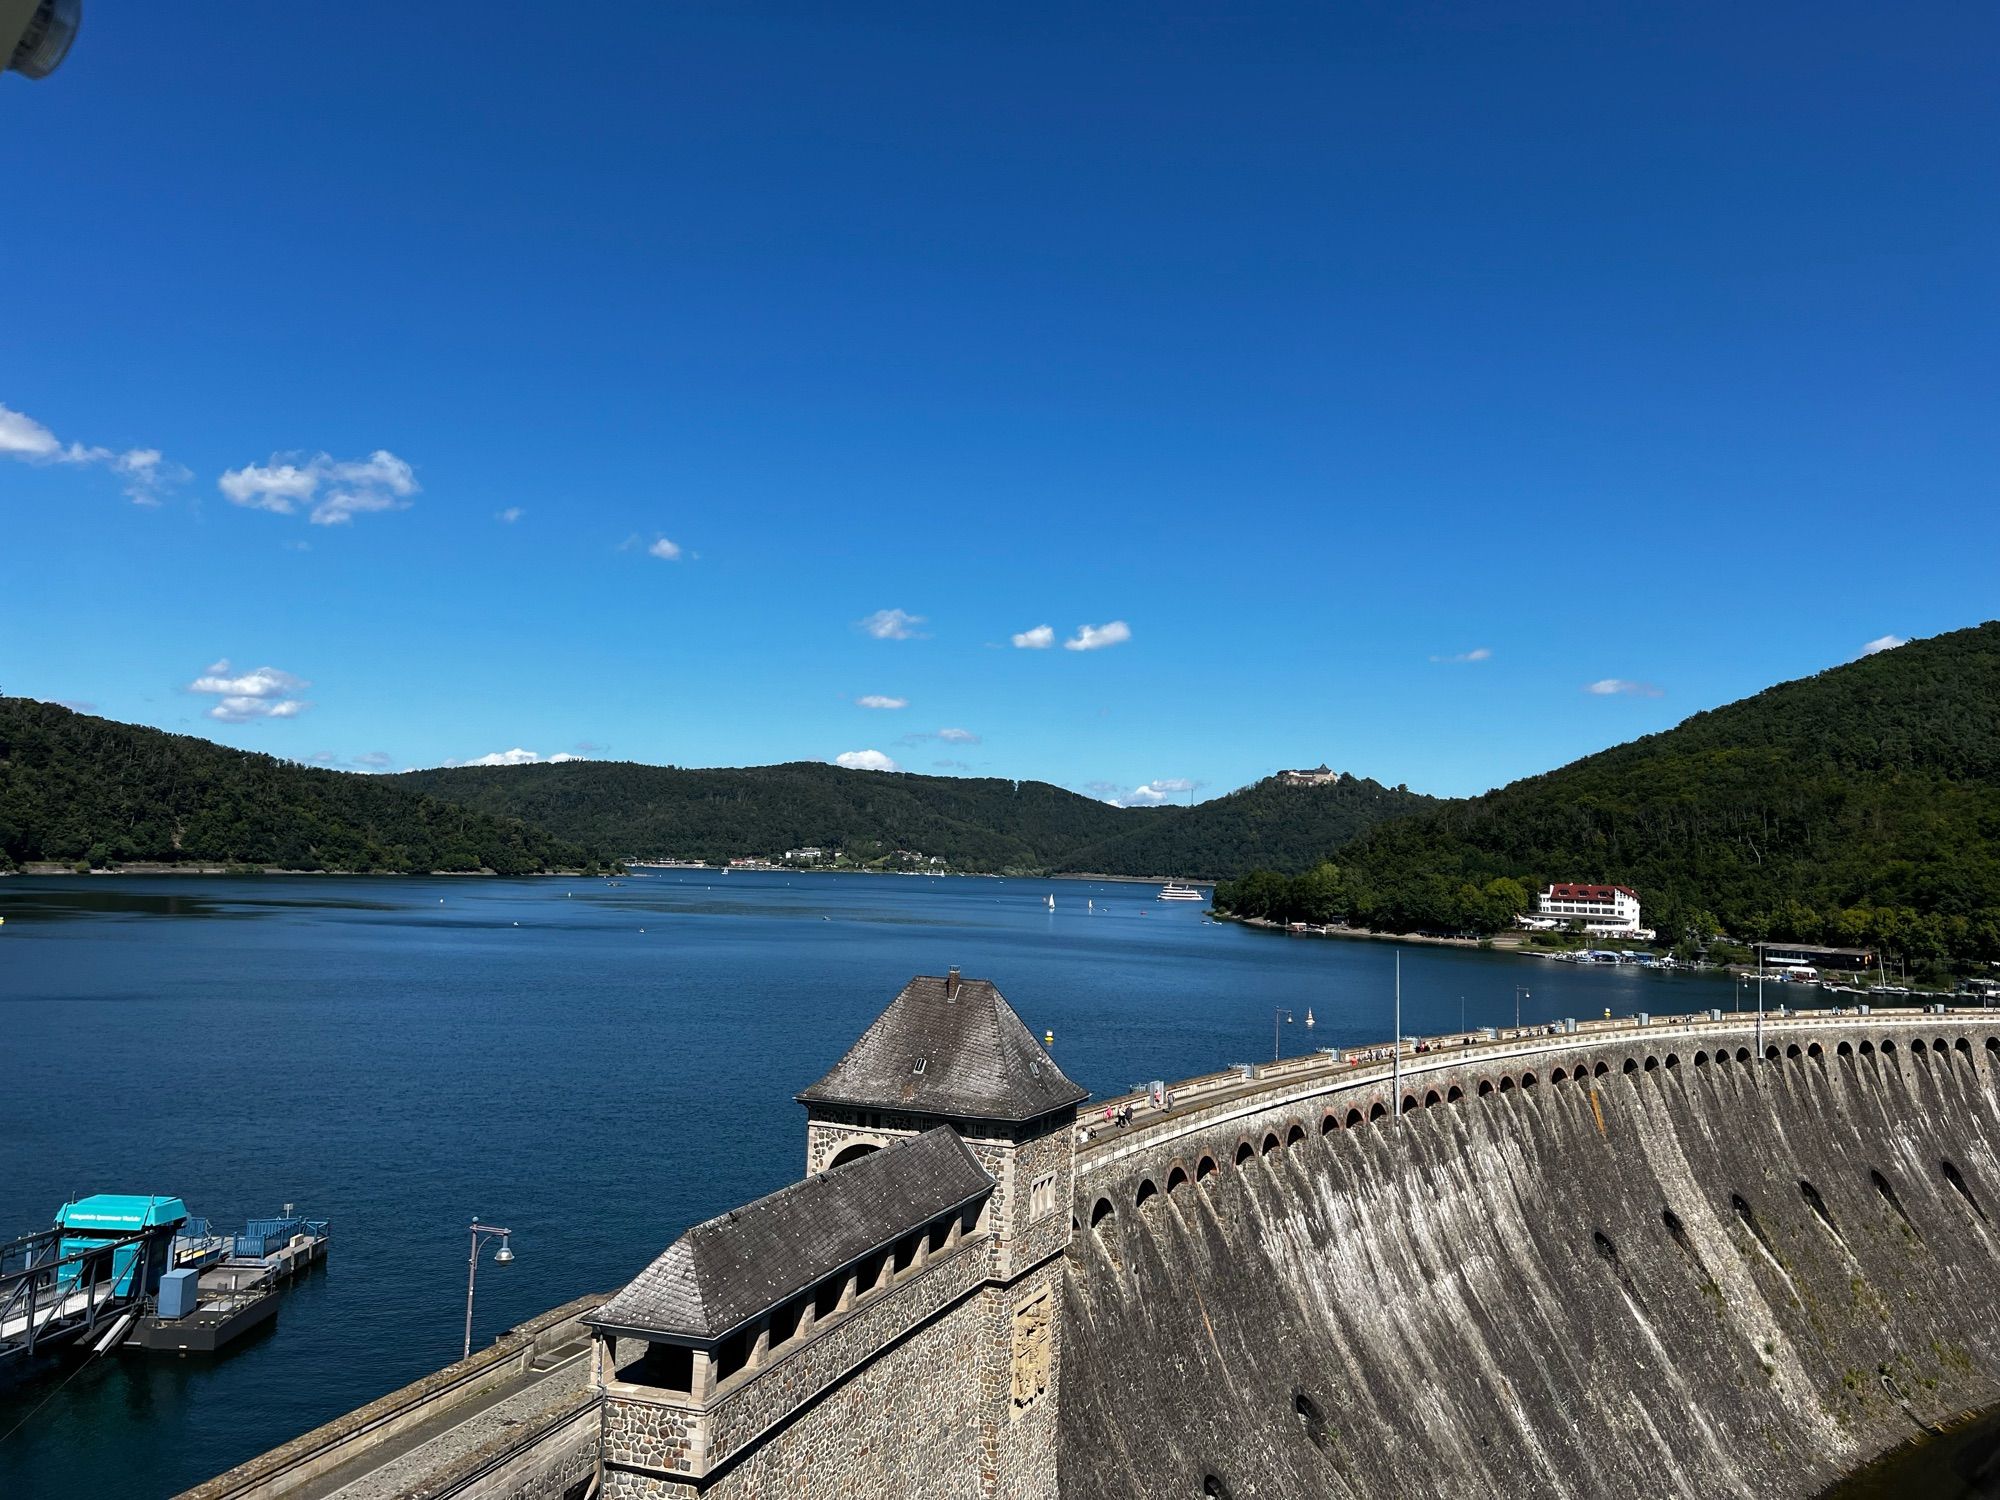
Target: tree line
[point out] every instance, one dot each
(76, 789)
(1858, 808)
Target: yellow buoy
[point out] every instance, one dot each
(1048, 1039)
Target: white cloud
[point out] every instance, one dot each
(1884, 643)
(21, 436)
(664, 550)
(261, 693)
(145, 472)
(1477, 653)
(865, 760)
(952, 765)
(1097, 637)
(1038, 639)
(375, 760)
(517, 757)
(881, 700)
(1146, 794)
(510, 515)
(337, 490)
(949, 736)
(891, 625)
(1609, 686)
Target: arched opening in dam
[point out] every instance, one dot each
(1782, 1271)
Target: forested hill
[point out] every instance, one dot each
(1861, 805)
(74, 788)
(719, 815)
(1271, 824)
(973, 823)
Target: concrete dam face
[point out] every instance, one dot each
(1718, 1273)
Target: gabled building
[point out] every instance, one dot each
(939, 1157)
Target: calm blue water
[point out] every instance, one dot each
(594, 1066)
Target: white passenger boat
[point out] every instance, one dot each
(1173, 890)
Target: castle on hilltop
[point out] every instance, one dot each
(1320, 775)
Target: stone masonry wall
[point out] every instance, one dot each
(557, 1465)
(930, 1396)
(1711, 1278)
(905, 1425)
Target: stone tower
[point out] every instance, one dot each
(951, 1051)
(890, 1325)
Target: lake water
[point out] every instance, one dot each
(595, 1066)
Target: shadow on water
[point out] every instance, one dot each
(1961, 1463)
(45, 904)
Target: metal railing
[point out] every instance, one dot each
(47, 1296)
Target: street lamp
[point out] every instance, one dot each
(481, 1233)
(1760, 1002)
(1278, 1013)
(1520, 994)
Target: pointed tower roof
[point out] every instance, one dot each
(950, 1047)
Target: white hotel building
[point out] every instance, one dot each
(1605, 909)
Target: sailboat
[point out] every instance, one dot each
(1309, 1018)
(1052, 901)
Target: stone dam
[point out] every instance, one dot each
(1694, 1256)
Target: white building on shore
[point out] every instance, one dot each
(1610, 910)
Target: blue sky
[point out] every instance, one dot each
(1390, 375)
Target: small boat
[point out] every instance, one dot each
(1052, 902)
(1173, 890)
(1309, 1018)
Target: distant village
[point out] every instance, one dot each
(812, 857)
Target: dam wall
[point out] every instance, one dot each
(1698, 1259)
(1696, 1256)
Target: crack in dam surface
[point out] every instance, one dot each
(1750, 1279)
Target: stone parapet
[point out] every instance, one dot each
(382, 1421)
(668, 1435)
(1217, 1111)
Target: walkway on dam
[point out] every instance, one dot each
(557, 1380)
(1372, 1066)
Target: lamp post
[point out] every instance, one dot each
(1760, 1002)
(1520, 994)
(1396, 1043)
(481, 1233)
(1278, 1014)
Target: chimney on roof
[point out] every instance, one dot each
(951, 983)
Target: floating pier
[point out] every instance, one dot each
(224, 1286)
(135, 1271)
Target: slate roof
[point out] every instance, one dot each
(950, 1047)
(720, 1274)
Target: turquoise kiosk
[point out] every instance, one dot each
(144, 1224)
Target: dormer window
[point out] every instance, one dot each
(917, 1067)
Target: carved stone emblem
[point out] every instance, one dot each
(1033, 1351)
